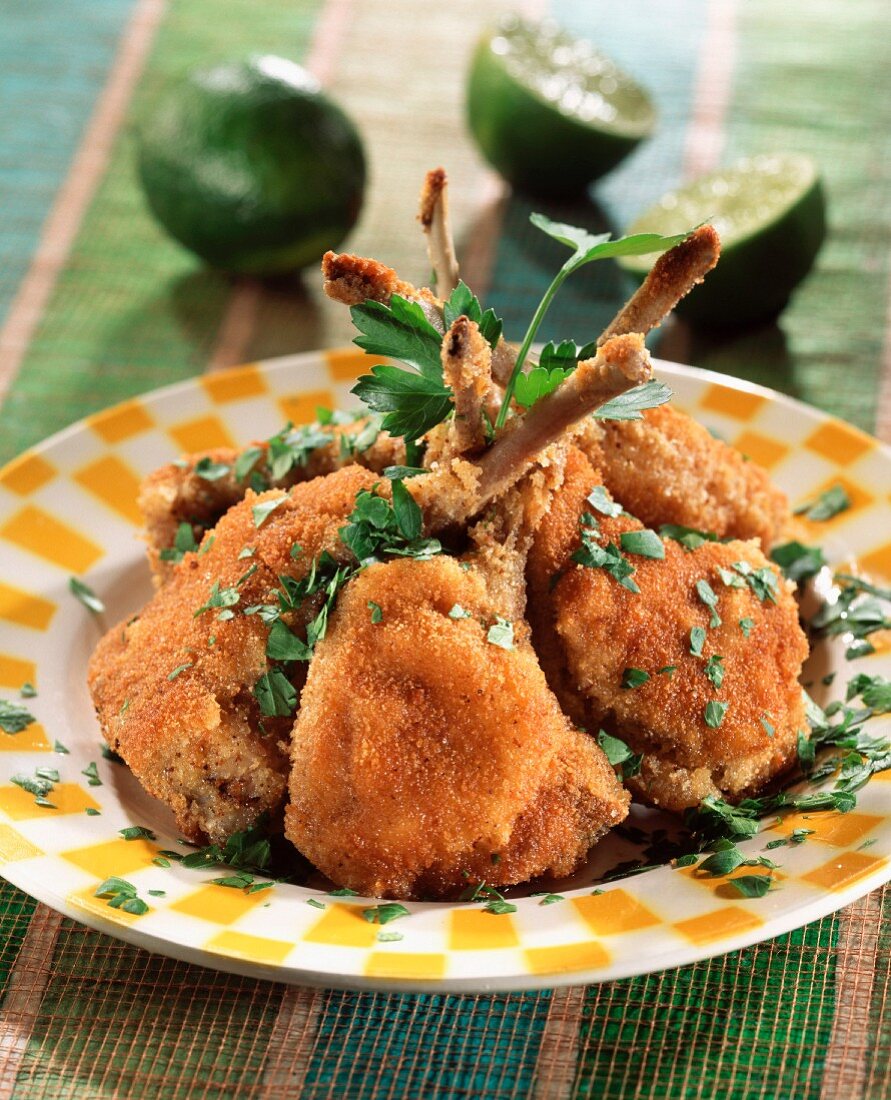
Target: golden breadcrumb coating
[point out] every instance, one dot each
(192, 737)
(666, 468)
(602, 629)
(425, 756)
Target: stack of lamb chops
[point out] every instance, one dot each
(422, 753)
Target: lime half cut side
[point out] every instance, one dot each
(770, 212)
(549, 111)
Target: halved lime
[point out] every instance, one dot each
(250, 165)
(771, 214)
(549, 111)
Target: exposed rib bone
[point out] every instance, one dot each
(621, 363)
(672, 277)
(467, 370)
(434, 219)
(459, 489)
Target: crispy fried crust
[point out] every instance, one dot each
(194, 740)
(602, 629)
(667, 468)
(445, 751)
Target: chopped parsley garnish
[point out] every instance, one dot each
(723, 861)
(634, 678)
(14, 717)
(746, 626)
(60, 748)
(797, 561)
(593, 556)
(501, 633)
(183, 543)
(27, 690)
(763, 581)
(859, 610)
(620, 755)
(91, 811)
(376, 612)
(137, 832)
(458, 612)
(262, 511)
(389, 937)
(714, 714)
(208, 470)
(179, 670)
(315, 903)
(875, 691)
(751, 886)
(92, 773)
(828, 504)
(768, 727)
(602, 502)
(86, 595)
(689, 537)
(646, 543)
(697, 640)
(714, 670)
(122, 895)
(108, 753)
(224, 598)
(342, 892)
(275, 694)
(551, 899)
(248, 552)
(706, 593)
(667, 670)
(384, 913)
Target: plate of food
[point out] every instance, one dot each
(499, 666)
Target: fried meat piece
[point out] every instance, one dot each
(426, 755)
(596, 630)
(173, 687)
(666, 468)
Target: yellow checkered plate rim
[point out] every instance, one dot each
(68, 507)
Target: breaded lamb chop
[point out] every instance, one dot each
(714, 630)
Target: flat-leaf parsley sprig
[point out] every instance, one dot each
(416, 399)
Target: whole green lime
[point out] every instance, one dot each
(770, 211)
(549, 111)
(248, 164)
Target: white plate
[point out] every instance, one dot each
(67, 507)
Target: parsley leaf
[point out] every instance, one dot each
(275, 694)
(183, 543)
(634, 678)
(585, 247)
(593, 556)
(14, 717)
(828, 504)
(697, 640)
(282, 644)
(646, 543)
(383, 914)
(137, 832)
(746, 625)
(631, 404)
(501, 633)
(797, 561)
(714, 670)
(208, 470)
(706, 593)
(714, 714)
(751, 886)
(458, 612)
(122, 895)
(463, 302)
(86, 595)
(689, 537)
(377, 614)
(400, 331)
(412, 403)
(262, 511)
(619, 754)
(537, 383)
(602, 502)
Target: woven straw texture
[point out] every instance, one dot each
(96, 305)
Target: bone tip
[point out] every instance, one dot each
(628, 354)
(431, 193)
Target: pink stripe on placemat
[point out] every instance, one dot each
(87, 169)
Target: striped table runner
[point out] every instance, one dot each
(97, 305)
